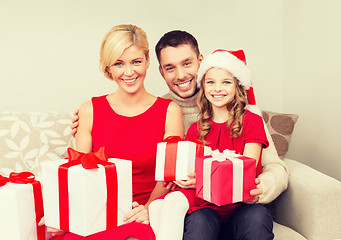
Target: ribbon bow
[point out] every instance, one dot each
(22, 177)
(221, 156)
(173, 139)
(88, 160)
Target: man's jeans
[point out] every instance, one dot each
(249, 221)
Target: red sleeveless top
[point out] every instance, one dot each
(132, 138)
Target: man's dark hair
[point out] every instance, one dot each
(174, 39)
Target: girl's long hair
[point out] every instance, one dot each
(236, 109)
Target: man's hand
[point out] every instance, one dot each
(74, 123)
(190, 183)
(138, 214)
(255, 192)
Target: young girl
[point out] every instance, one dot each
(224, 123)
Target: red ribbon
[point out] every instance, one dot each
(88, 161)
(29, 178)
(171, 154)
(173, 139)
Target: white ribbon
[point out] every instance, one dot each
(237, 175)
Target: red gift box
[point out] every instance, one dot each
(225, 178)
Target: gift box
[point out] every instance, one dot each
(175, 158)
(21, 207)
(87, 193)
(225, 178)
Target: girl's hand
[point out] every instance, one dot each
(190, 183)
(255, 192)
(53, 231)
(138, 214)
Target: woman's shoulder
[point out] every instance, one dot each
(86, 108)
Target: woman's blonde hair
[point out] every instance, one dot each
(236, 109)
(118, 39)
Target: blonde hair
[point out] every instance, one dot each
(236, 109)
(118, 39)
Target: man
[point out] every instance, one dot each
(179, 60)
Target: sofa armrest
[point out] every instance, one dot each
(311, 205)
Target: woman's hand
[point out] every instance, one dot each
(255, 192)
(53, 231)
(169, 185)
(138, 214)
(190, 183)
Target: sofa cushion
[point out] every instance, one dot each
(27, 139)
(282, 232)
(281, 127)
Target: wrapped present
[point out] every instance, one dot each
(225, 178)
(86, 193)
(21, 207)
(175, 158)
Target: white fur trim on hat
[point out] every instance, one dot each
(228, 62)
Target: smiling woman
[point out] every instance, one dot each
(120, 120)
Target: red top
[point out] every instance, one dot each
(220, 137)
(132, 138)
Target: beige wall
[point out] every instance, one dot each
(312, 81)
(49, 56)
(49, 50)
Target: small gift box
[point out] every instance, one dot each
(175, 158)
(87, 193)
(225, 178)
(21, 207)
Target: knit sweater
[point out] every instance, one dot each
(189, 107)
(274, 179)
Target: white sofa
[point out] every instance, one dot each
(309, 209)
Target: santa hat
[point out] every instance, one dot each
(235, 63)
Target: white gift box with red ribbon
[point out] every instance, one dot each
(18, 212)
(176, 158)
(225, 178)
(87, 197)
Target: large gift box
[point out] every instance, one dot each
(225, 178)
(87, 193)
(21, 207)
(175, 158)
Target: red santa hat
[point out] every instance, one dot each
(235, 63)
